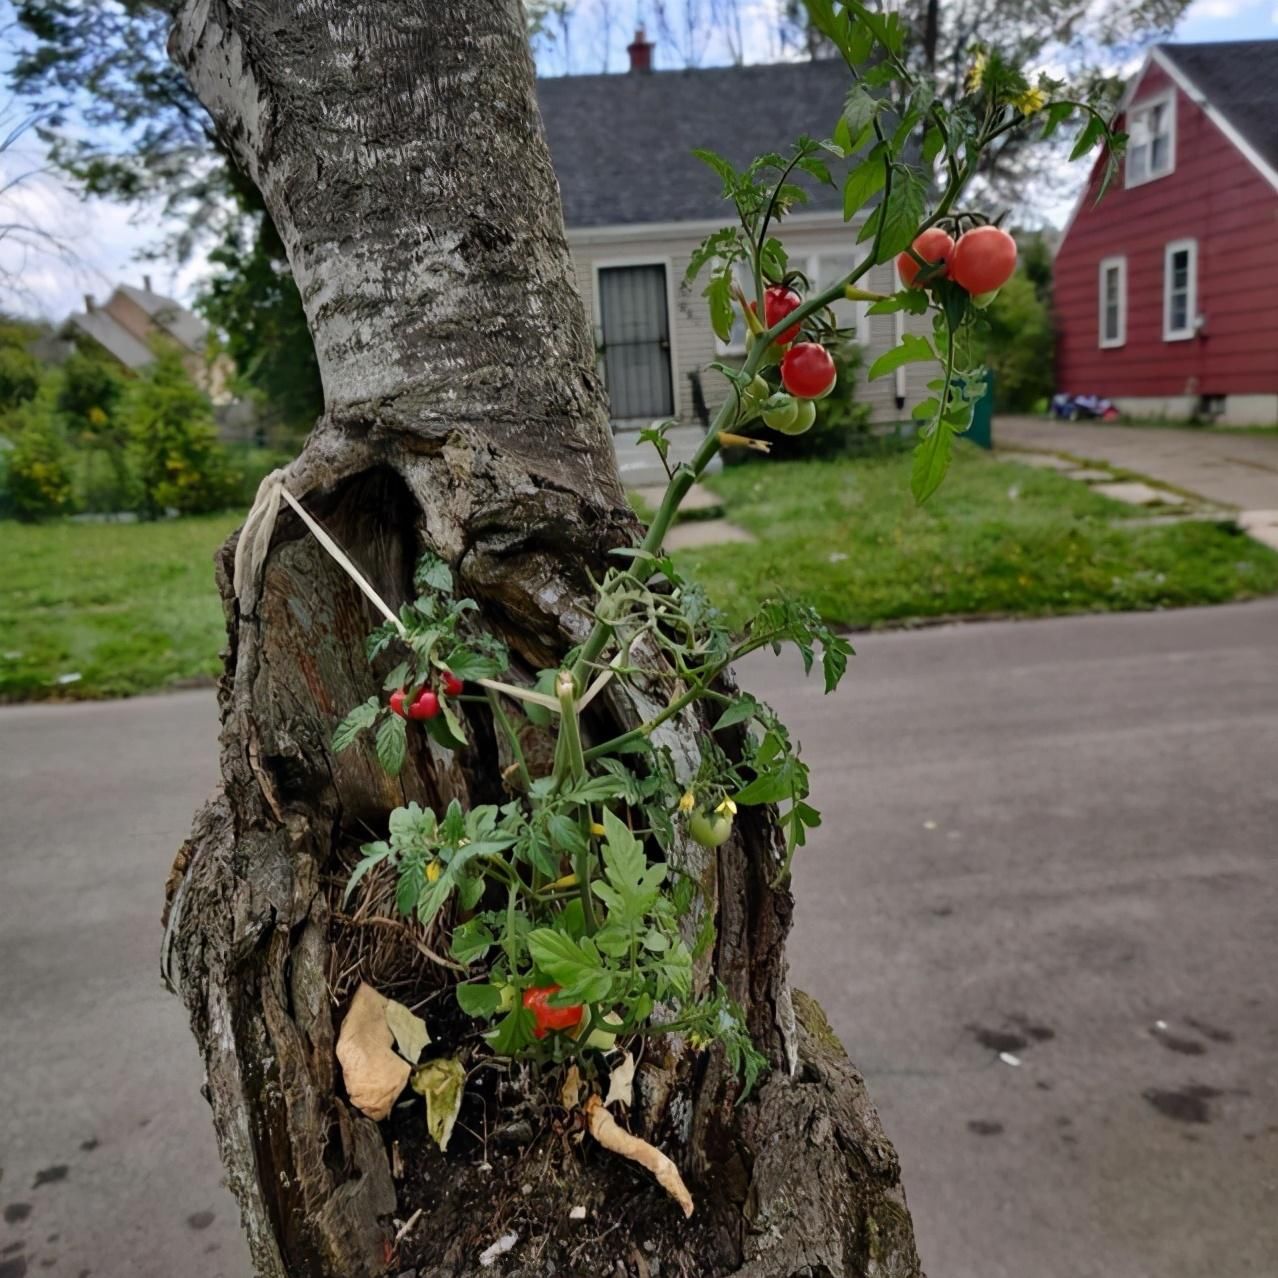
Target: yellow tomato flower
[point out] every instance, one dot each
(433, 871)
(1030, 101)
(727, 806)
(597, 830)
(688, 802)
(976, 72)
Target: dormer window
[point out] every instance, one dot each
(1151, 139)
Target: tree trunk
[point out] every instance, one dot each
(398, 147)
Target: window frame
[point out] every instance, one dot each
(806, 260)
(1188, 246)
(1117, 262)
(1165, 99)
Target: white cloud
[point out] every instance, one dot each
(65, 246)
(1218, 9)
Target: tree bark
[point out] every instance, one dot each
(398, 148)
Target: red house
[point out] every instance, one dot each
(1167, 290)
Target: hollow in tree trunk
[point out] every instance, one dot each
(398, 147)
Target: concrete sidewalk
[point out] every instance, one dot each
(1040, 913)
(1234, 470)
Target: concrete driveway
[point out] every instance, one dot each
(1042, 913)
(1239, 470)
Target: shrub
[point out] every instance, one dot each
(39, 466)
(20, 375)
(173, 448)
(1018, 345)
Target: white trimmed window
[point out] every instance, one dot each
(823, 267)
(1151, 140)
(1180, 290)
(1113, 302)
(826, 267)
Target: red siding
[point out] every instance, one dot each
(1216, 196)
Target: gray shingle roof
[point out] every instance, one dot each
(1240, 79)
(622, 144)
(185, 326)
(111, 335)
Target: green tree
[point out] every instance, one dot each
(1018, 338)
(20, 376)
(253, 299)
(172, 445)
(40, 479)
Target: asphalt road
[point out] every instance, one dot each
(1053, 840)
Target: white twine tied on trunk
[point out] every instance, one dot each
(250, 559)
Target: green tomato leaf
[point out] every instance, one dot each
(931, 461)
(392, 743)
(575, 965)
(513, 1033)
(471, 941)
(912, 350)
(863, 183)
(363, 716)
(743, 708)
(478, 1000)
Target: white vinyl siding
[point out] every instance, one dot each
(1180, 290)
(693, 343)
(1151, 141)
(1112, 297)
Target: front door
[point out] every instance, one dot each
(635, 324)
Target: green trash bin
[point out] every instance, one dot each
(981, 431)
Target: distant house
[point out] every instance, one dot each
(637, 203)
(1167, 290)
(129, 323)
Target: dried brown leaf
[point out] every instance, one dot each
(603, 1127)
(374, 1074)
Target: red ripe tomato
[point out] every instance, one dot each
(808, 370)
(984, 259)
(778, 302)
(425, 707)
(934, 245)
(397, 703)
(451, 684)
(547, 1018)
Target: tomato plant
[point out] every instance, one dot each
(547, 1016)
(983, 259)
(935, 247)
(778, 302)
(808, 371)
(576, 902)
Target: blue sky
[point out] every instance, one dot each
(107, 238)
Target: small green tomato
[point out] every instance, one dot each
(803, 419)
(780, 412)
(982, 300)
(710, 829)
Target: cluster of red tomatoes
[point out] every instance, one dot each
(426, 704)
(807, 371)
(981, 262)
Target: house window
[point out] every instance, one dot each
(736, 343)
(1113, 301)
(1151, 141)
(826, 268)
(1180, 290)
(822, 269)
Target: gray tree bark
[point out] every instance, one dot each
(398, 147)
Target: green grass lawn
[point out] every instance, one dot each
(132, 607)
(129, 607)
(997, 538)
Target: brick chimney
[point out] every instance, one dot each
(89, 304)
(640, 50)
(146, 283)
